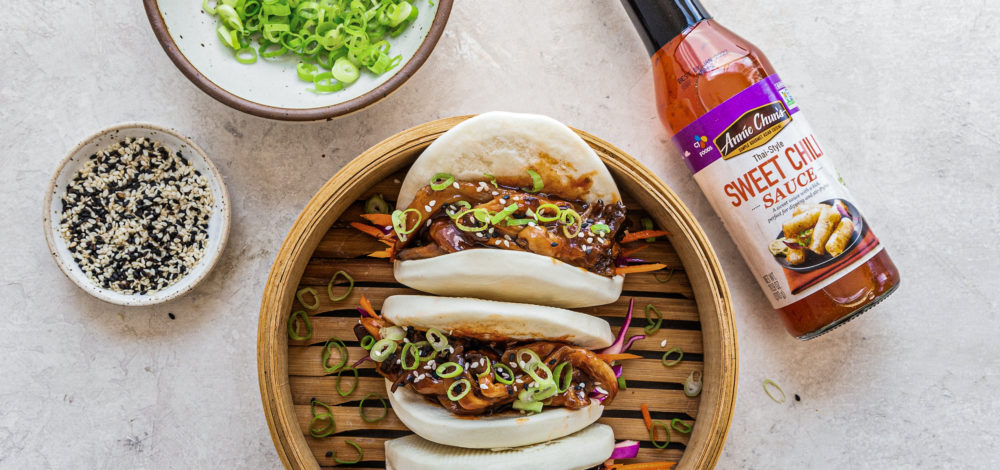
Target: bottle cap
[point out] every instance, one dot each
(660, 21)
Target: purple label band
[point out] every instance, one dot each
(745, 121)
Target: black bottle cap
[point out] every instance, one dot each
(659, 21)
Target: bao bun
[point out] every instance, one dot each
(507, 145)
(583, 449)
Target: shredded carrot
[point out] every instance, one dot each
(635, 236)
(645, 416)
(386, 253)
(640, 268)
(368, 229)
(632, 251)
(617, 357)
(367, 306)
(644, 466)
(384, 220)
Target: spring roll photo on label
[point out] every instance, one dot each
(838, 241)
(801, 222)
(824, 227)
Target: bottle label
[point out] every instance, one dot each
(765, 173)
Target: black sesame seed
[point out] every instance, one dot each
(329, 454)
(555, 244)
(797, 397)
(171, 315)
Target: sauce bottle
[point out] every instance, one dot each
(755, 157)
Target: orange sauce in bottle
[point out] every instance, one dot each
(699, 65)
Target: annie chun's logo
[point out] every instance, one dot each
(753, 129)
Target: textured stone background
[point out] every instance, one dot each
(903, 93)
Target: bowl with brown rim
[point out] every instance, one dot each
(270, 88)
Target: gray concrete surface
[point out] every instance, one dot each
(903, 94)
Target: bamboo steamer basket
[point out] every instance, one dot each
(695, 302)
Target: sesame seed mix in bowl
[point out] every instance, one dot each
(135, 216)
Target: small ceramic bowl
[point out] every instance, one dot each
(218, 225)
(270, 88)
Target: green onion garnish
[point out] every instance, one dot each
(545, 218)
(668, 275)
(463, 205)
(692, 385)
(464, 384)
(622, 385)
(563, 380)
(351, 443)
(382, 349)
(399, 219)
(512, 222)
(776, 387)
(333, 280)
(361, 407)
(503, 373)
(367, 342)
(246, 55)
(647, 224)
(326, 429)
(411, 352)
(652, 434)
(479, 214)
(680, 426)
(532, 406)
(441, 181)
(570, 217)
(420, 345)
(392, 333)
(307, 72)
(505, 213)
(437, 339)
(600, 229)
(443, 372)
(377, 205)
(536, 182)
(325, 83)
(308, 290)
(654, 325)
(293, 325)
(532, 370)
(486, 372)
(493, 179)
(542, 392)
(341, 351)
(345, 71)
(353, 386)
(674, 362)
(532, 357)
(208, 9)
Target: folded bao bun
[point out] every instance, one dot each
(584, 449)
(510, 429)
(507, 145)
(497, 321)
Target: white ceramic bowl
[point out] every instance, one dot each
(218, 225)
(270, 87)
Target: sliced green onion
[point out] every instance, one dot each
(399, 220)
(767, 390)
(420, 345)
(487, 371)
(563, 380)
(531, 406)
(466, 387)
(692, 385)
(541, 393)
(668, 275)
(341, 351)
(441, 181)
(437, 339)
(246, 55)
(354, 386)
(545, 218)
(230, 19)
(600, 229)
(674, 362)
(507, 375)
(333, 280)
(409, 351)
(312, 407)
(325, 83)
(505, 213)
(208, 9)
(680, 426)
(399, 13)
(654, 325)
(493, 179)
(326, 429)
(652, 434)
(479, 214)
(293, 325)
(532, 371)
(512, 222)
(367, 342)
(229, 38)
(308, 290)
(392, 333)
(647, 224)
(622, 385)
(345, 71)
(382, 349)
(361, 407)
(443, 372)
(464, 205)
(569, 218)
(532, 357)
(377, 205)
(351, 443)
(536, 182)
(307, 72)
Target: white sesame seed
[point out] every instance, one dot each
(455, 185)
(495, 193)
(483, 386)
(590, 239)
(427, 208)
(506, 243)
(663, 343)
(431, 204)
